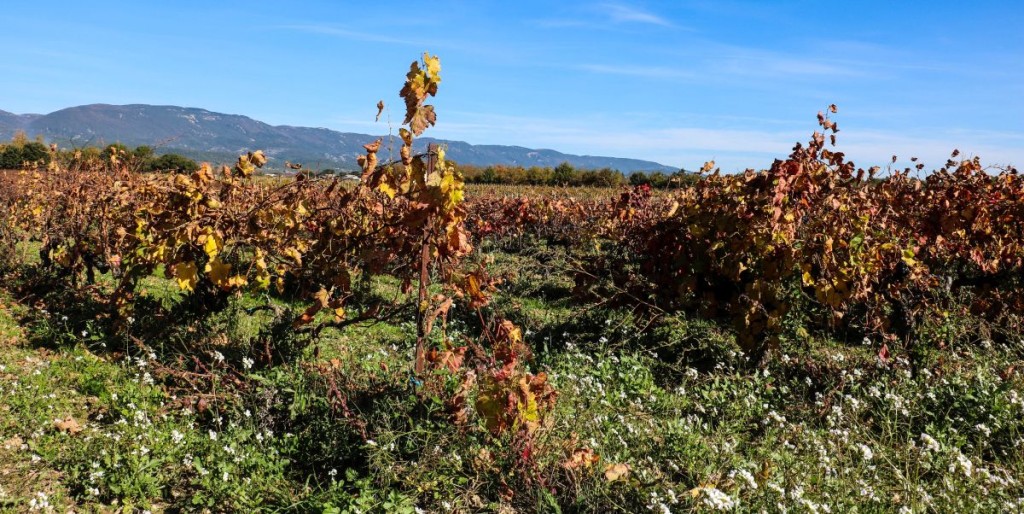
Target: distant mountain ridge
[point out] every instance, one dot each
(217, 137)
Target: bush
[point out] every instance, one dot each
(173, 162)
(11, 158)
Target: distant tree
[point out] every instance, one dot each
(564, 173)
(173, 162)
(683, 178)
(607, 177)
(536, 175)
(658, 179)
(140, 158)
(638, 178)
(36, 152)
(12, 155)
(470, 173)
(11, 158)
(512, 174)
(489, 176)
(143, 153)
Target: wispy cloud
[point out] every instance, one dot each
(749, 62)
(332, 30)
(663, 72)
(608, 15)
(713, 62)
(621, 13)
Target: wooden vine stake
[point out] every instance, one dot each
(423, 304)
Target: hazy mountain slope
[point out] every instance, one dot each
(207, 135)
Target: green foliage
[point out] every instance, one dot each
(639, 178)
(20, 151)
(562, 175)
(566, 175)
(11, 158)
(35, 152)
(172, 162)
(143, 154)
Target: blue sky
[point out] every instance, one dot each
(675, 82)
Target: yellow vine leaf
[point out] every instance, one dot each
(185, 273)
(262, 271)
(218, 271)
(263, 280)
(294, 255)
(528, 411)
(386, 188)
(433, 65)
(243, 167)
(212, 242)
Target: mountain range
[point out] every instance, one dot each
(216, 137)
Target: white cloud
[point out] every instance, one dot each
(606, 16)
(332, 30)
(663, 72)
(620, 13)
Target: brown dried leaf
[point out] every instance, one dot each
(581, 458)
(423, 117)
(257, 158)
(615, 472)
(68, 425)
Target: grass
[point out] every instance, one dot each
(672, 419)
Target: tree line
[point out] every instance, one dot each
(566, 174)
(21, 152)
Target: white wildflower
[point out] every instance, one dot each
(714, 498)
(865, 451)
(964, 464)
(745, 476)
(930, 444)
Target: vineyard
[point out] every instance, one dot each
(810, 337)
